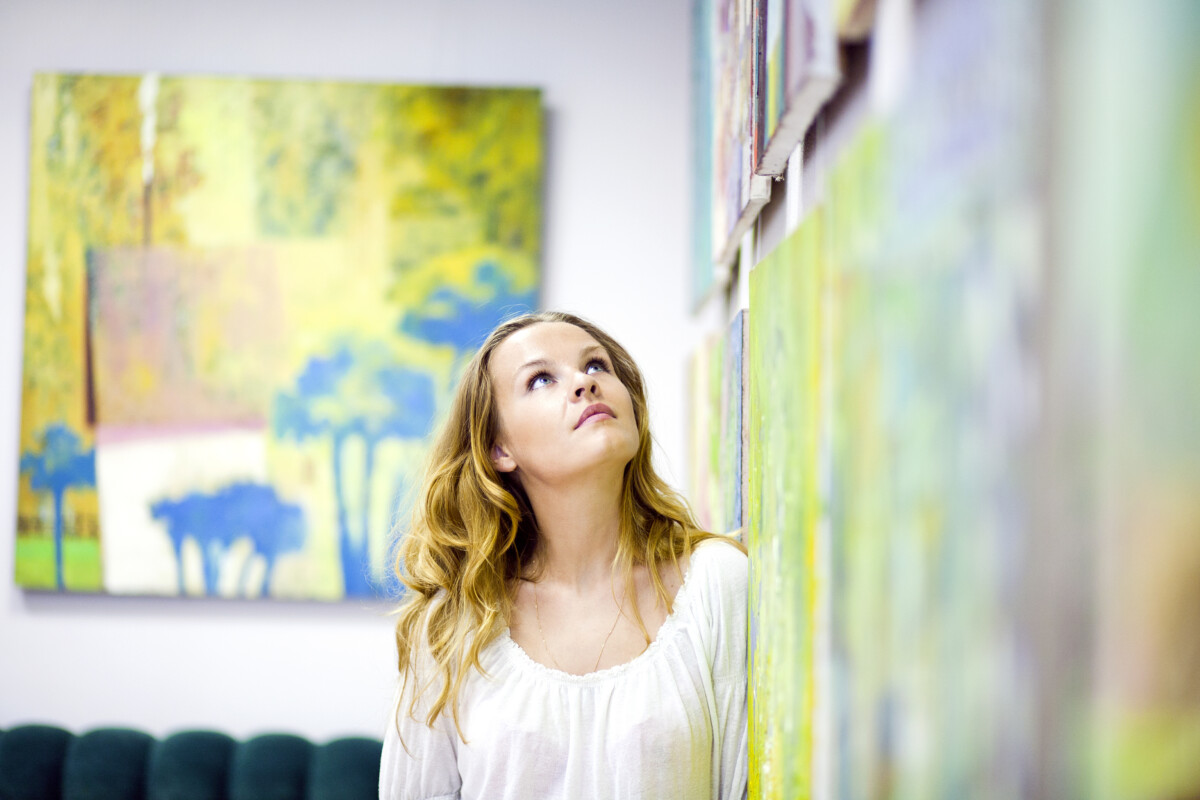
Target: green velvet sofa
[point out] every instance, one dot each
(43, 761)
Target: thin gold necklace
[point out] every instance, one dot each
(538, 615)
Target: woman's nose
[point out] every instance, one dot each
(586, 384)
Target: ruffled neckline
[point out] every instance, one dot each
(522, 660)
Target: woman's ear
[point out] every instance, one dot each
(501, 460)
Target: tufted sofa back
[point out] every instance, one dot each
(42, 761)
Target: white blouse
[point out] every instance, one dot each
(670, 724)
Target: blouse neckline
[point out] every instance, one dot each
(524, 661)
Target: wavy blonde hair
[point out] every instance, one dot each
(473, 533)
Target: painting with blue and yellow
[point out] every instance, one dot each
(247, 304)
(716, 488)
(784, 510)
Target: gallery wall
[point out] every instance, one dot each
(615, 85)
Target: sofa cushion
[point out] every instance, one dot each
(193, 765)
(31, 762)
(107, 764)
(270, 767)
(345, 768)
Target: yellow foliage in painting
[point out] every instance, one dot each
(480, 154)
(458, 268)
(85, 152)
(209, 135)
(307, 137)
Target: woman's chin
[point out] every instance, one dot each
(602, 466)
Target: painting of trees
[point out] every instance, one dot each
(357, 392)
(255, 296)
(214, 522)
(60, 464)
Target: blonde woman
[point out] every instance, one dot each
(568, 631)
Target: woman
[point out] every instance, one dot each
(568, 632)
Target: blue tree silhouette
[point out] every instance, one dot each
(60, 465)
(360, 392)
(451, 317)
(215, 521)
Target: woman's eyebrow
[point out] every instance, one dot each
(537, 362)
(542, 363)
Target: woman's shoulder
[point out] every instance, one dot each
(720, 554)
(718, 599)
(719, 569)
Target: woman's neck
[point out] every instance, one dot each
(578, 529)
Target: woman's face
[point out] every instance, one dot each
(561, 409)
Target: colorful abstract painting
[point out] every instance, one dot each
(737, 114)
(247, 304)
(1130, 397)
(973, 488)
(785, 509)
(717, 485)
(892, 366)
(937, 282)
(732, 453)
(703, 483)
(762, 70)
(799, 73)
(704, 397)
(855, 18)
(703, 277)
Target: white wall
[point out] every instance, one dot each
(615, 77)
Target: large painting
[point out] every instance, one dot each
(785, 509)
(893, 369)
(1128, 401)
(247, 304)
(939, 284)
(974, 485)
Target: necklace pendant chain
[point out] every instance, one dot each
(538, 616)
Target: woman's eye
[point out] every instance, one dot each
(541, 379)
(596, 365)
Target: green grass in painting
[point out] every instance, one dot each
(81, 563)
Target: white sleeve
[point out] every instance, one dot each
(730, 598)
(419, 762)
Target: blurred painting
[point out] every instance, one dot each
(731, 445)
(703, 274)
(1130, 394)
(785, 509)
(717, 485)
(893, 368)
(937, 284)
(855, 18)
(247, 305)
(737, 114)
(703, 394)
(799, 73)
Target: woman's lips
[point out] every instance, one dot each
(593, 410)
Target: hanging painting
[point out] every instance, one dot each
(247, 303)
(738, 194)
(785, 509)
(799, 73)
(893, 371)
(718, 453)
